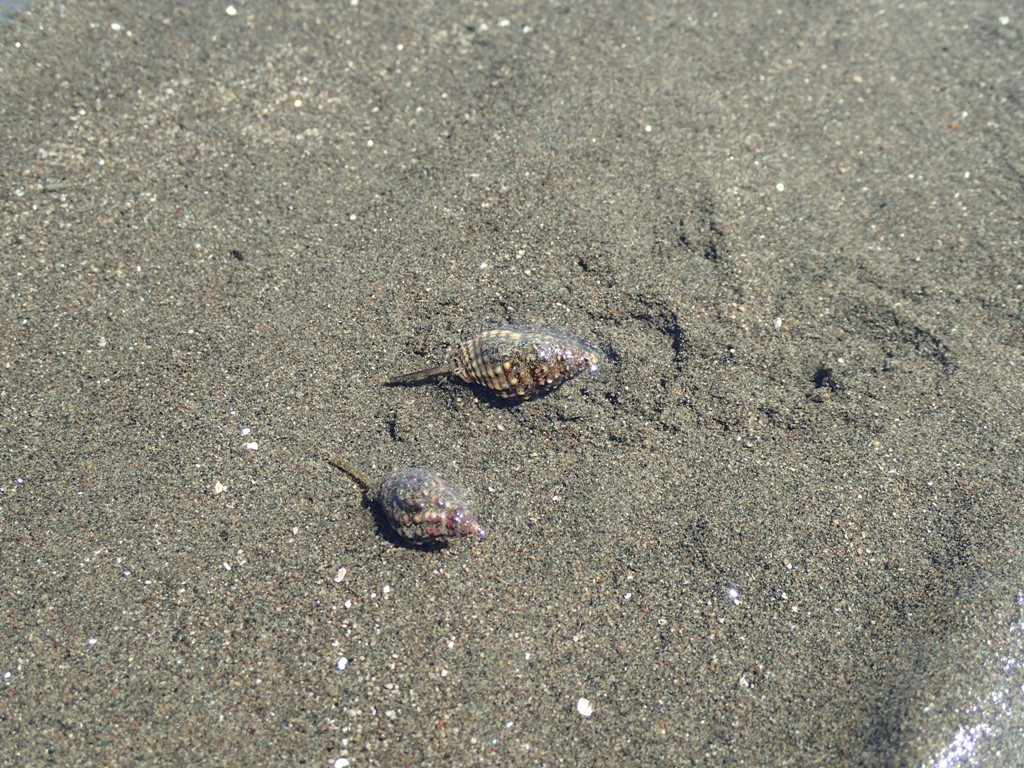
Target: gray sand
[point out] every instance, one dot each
(782, 526)
(10, 7)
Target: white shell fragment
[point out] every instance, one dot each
(583, 708)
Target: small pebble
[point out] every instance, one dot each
(583, 707)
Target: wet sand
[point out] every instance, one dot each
(781, 526)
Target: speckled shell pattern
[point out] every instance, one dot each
(522, 363)
(421, 508)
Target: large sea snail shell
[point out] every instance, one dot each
(514, 363)
(418, 505)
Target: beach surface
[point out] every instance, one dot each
(781, 525)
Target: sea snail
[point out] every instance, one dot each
(418, 505)
(515, 364)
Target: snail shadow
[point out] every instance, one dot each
(577, 388)
(480, 392)
(495, 400)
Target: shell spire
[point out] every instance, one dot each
(417, 505)
(514, 364)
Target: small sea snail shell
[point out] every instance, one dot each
(418, 505)
(514, 363)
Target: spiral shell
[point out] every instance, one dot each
(418, 506)
(515, 364)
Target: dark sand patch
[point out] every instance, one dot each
(782, 527)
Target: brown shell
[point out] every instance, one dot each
(522, 363)
(417, 505)
(421, 508)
